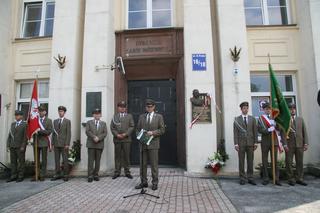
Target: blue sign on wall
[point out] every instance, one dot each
(199, 62)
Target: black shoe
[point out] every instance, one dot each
(65, 179)
(141, 185)
(154, 187)
(11, 180)
(252, 182)
(90, 180)
(55, 178)
(242, 182)
(129, 176)
(278, 183)
(265, 182)
(301, 183)
(291, 183)
(19, 180)
(115, 176)
(96, 178)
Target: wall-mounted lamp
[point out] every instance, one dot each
(235, 56)
(118, 65)
(61, 61)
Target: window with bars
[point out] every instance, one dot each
(149, 13)
(38, 17)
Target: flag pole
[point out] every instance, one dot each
(36, 140)
(272, 134)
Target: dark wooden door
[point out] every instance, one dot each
(164, 94)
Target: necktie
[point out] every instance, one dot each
(245, 121)
(97, 125)
(17, 124)
(60, 121)
(149, 118)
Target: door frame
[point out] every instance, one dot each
(165, 65)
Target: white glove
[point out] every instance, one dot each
(271, 129)
(272, 122)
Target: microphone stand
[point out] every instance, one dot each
(143, 191)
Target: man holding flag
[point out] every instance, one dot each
(43, 140)
(276, 115)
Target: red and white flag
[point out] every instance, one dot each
(33, 114)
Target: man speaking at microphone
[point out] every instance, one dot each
(153, 123)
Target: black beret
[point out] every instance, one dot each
(292, 105)
(96, 111)
(18, 112)
(42, 108)
(122, 104)
(265, 105)
(63, 108)
(150, 102)
(245, 103)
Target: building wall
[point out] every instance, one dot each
(235, 87)
(98, 51)
(5, 61)
(65, 84)
(84, 33)
(308, 22)
(201, 139)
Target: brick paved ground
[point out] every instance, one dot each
(178, 193)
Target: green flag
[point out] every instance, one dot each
(280, 110)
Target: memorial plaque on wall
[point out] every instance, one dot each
(93, 101)
(138, 46)
(202, 114)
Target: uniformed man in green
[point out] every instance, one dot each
(121, 127)
(245, 142)
(16, 144)
(153, 123)
(42, 138)
(267, 126)
(61, 137)
(96, 131)
(297, 144)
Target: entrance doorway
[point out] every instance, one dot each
(163, 92)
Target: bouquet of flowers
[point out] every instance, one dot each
(72, 156)
(216, 162)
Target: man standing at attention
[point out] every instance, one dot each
(61, 141)
(297, 144)
(245, 142)
(153, 124)
(121, 127)
(96, 131)
(16, 144)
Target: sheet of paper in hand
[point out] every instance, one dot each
(144, 138)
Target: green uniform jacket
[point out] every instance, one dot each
(61, 137)
(156, 126)
(122, 125)
(17, 136)
(44, 134)
(245, 136)
(266, 135)
(91, 132)
(299, 138)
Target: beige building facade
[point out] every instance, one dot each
(160, 43)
